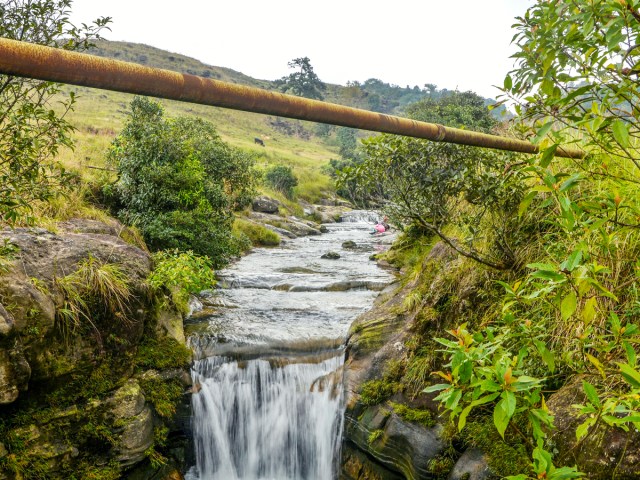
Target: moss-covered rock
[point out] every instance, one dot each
(90, 411)
(605, 452)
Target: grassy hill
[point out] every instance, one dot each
(99, 116)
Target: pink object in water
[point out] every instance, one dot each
(379, 228)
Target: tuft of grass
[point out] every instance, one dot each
(8, 253)
(259, 235)
(164, 395)
(94, 286)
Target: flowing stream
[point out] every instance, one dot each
(269, 346)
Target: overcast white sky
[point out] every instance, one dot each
(462, 43)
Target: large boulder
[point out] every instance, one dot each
(605, 452)
(265, 205)
(86, 409)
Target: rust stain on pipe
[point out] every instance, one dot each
(57, 65)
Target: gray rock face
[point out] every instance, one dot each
(28, 296)
(400, 447)
(472, 465)
(265, 205)
(136, 438)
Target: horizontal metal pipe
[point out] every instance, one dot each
(57, 65)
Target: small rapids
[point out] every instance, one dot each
(268, 394)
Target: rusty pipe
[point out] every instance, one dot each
(56, 65)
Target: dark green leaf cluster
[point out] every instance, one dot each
(282, 179)
(179, 182)
(31, 131)
(435, 185)
(455, 109)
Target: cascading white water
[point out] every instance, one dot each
(262, 422)
(268, 400)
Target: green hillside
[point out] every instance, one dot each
(99, 116)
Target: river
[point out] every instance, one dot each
(269, 347)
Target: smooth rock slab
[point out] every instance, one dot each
(472, 465)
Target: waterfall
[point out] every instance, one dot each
(257, 420)
(268, 392)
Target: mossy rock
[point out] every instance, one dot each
(606, 452)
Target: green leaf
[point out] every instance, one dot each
(591, 393)
(547, 153)
(596, 363)
(547, 356)
(630, 374)
(526, 201)
(436, 388)
(621, 133)
(462, 420)
(589, 310)
(572, 261)
(508, 82)
(568, 305)
(631, 353)
(583, 428)
(503, 412)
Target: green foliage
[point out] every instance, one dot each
(454, 109)
(282, 179)
(182, 273)
(436, 185)
(464, 195)
(256, 233)
(303, 83)
(178, 182)
(164, 395)
(577, 65)
(161, 354)
(31, 131)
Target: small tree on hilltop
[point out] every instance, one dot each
(303, 83)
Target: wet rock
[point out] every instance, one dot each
(265, 205)
(6, 321)
(349, 245)
(14, 375)
(472, 465)
(136, 437)
(331, 256)
(169, 323)
(128, 401)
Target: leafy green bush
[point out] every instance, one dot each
(462, 194)
(282, 179)
(181, 273)
(179, 182)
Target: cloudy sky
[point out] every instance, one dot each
(463, 43)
